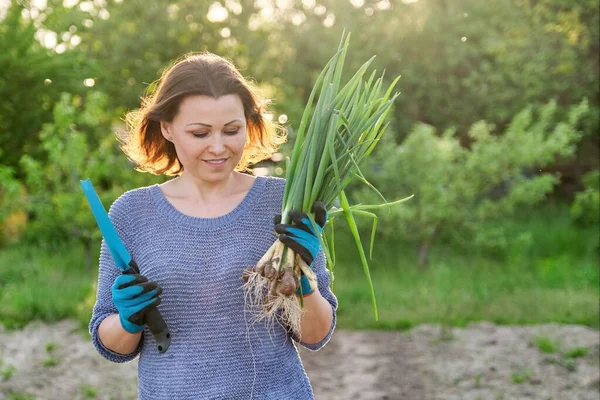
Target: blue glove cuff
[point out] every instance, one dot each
(130, 326)
(305, 285)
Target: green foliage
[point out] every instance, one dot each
(32, 275)
(577, 352)
(133, 56)
(461, 61)
(553, 280)
(50, 347)
(78, 144)
(586, 206)
(545, 344)
(13, 395)
(521, 375)
(10, 192)
(458, 188)
(89, 391)
(51, 361)
(7, 372)
(31, 81)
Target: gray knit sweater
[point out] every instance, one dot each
(216, 351)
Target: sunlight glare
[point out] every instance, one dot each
(384, 5)
(104, 14)
(89, 82)
(263, 3)
(284, 4)
(277, 156)
(298, 18)
(329, 21)
(320, 10)
(172, 10)
(254, 22)
(4, 6)
(261, 171)
(61, 48)
(217, 13)
(48, 39)
(39, 4)
(86, 6)
(234, 6)
(308, 4)
(357, 3)
(70, 3)
(225, 32)
(267, 13)
(75, 40)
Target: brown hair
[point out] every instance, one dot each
(195, 74)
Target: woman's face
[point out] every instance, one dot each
(209, 135)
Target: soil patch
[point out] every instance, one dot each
(429, 362)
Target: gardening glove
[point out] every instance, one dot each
(134, 295)
(301, 237)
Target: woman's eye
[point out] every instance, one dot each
(199, 134)
(232, 132)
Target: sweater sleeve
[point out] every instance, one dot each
(323, 280)
(108, 271)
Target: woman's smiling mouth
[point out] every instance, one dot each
(216, 162)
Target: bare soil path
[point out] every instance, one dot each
(429, 362)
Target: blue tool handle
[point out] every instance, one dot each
(154, 320)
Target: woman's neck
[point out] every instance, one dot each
(205, 191)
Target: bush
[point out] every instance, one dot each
(458, 189)
(585, 209)
(78, 144)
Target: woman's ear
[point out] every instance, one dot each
(164, 129)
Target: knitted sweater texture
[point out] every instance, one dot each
(217, 350)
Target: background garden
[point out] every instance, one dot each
(496, 133)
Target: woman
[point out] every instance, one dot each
(193, 236)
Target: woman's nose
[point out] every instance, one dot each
(216, 145)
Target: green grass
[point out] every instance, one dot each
(521, 375)
(551, 277)
(7, 372)
(11, 395)
(577, 352)
(545, 344)
(50, 362)
(89, 391)
(47, 284)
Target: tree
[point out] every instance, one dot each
(456, 188)
(55, 202)
(31, 80)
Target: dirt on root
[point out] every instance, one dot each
(429, 362)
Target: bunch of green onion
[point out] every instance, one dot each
(333, 139)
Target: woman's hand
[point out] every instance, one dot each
(134, 295)
(303, 239)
